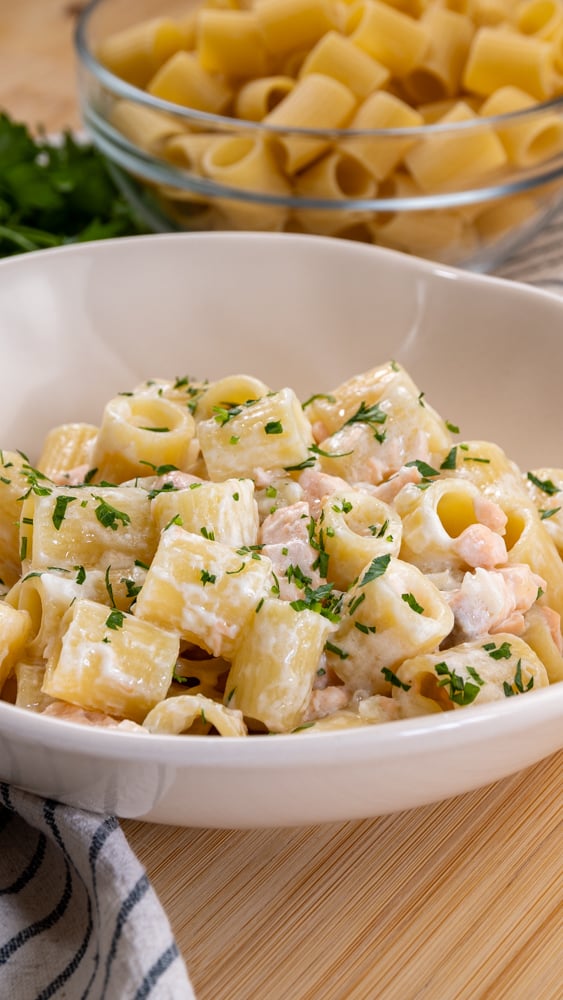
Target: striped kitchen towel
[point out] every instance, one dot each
(78, 917)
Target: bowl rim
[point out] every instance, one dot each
(124, 90)
(476, 721)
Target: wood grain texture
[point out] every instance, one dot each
(462, 900)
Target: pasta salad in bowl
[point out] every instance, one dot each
(429, 127)
(254, 550)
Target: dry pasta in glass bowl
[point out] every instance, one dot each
(434, 127)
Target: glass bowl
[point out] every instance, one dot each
(462, 185)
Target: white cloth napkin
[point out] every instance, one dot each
(79, 919)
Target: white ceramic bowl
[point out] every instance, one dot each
(80, 323)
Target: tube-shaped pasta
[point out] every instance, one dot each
(293, 25)
(15, 626)
(392, 612)
(187, 151)
(108, 661)
(505, 215)
(540, 18)
(467, 674)
(182, 80)
(257, 98)
(457, 159)
(545, 487)
(203, 590)
(504, 58)
(393, 38)
(356, 528)
(439, 234)
(231, 42)
(231, 391)
(339, 176)
(16, 478)
(526, 142)
(439, 73)
(381, 424)
(247, 162)
(490, 13)
(450, 525)
(317, 101)
(224, 511)
(380, 156)
(338, 57)
(67, 449)
(272, 432)
(542, 632)
(139, 432)
(275, 666)
(136, 53)
(144, 127)
(29, 679)
(178, 714)
(46, 596)
(528, 541)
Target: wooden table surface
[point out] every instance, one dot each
(462, 900)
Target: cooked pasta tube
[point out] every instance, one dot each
(356, 528)
(15, 626)
(338, 57)
(178, 714)
(257, 98)
(275, 665)
(505, 58)
(138, 432)
(29, 679)
(231, 42)
(490, 669)
(136, 53)
(182, 80)
(203, 590)
(267, 433)
(396, 40)
(391, 613)
(316, 101)
(17, 478)
(108, 661)
(46, 596)
(226, 512)
(450, 525)
(67, 449)
(526, 142)
(230, 391)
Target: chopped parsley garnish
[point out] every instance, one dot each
(318, 395)
(59, 513)
(460, 691)
(376, 568)
(394, 680)
(109, 516)
(273, 427)
(502, 652)
(366, 629)
(450, 459)
(373, 416)
(517, 686)
(453, 428)
(340, 653)
(545, 514)
(207, 577)
(410, 599)
(546, 485)
(115, 619)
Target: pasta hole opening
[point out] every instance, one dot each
(275, 96)
(456, 512)
(429, 688)
(154, 415)
(536, 16)
(230, 152)
(31, 602)
(547, 142)
(358, 231)
(514, 528)
(424, 86)
(353, 179)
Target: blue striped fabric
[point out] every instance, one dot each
(79, 918)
